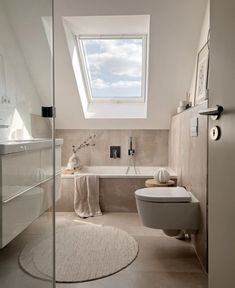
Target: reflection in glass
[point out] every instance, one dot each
(26, 160)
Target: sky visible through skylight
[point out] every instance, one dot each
(114, 67)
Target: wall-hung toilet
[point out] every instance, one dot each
(168, 208)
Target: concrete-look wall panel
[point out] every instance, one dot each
(151, 146)
(188, 157)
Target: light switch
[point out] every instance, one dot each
(194, 127)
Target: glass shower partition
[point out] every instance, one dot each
(27, 145)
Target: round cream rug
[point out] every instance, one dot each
(83, 253)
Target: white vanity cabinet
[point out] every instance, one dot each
(26, 183)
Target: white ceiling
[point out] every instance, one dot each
(174, 32)
(109, 25)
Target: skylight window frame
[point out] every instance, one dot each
(85, 73)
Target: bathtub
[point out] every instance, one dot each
(123, 171)
(116, 187)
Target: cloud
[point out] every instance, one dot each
(118, 57)
(114, 65)
(126, 84)
(101, 84)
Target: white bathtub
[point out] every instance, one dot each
(122, 171)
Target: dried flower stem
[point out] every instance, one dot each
(84, 144)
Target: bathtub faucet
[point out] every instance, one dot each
(131, 151)
(115, 152)
(131, 160)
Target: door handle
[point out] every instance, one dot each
(214, 112)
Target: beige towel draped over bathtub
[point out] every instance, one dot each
(86, 195)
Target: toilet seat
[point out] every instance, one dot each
(163, 194)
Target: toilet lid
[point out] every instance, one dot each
(163, 194)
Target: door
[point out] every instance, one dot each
(27, 177)
(221, 169)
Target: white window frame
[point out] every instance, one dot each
(85, 72)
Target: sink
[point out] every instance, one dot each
(14, 146)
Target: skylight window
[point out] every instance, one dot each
(114, 67)
(110, 55)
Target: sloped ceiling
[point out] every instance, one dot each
(174, 34)
(25, 18)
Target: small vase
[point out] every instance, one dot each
(162, 176)
(73, 162)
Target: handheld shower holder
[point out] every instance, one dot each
(131, 152)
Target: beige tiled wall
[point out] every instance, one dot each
(40, 127)
(188, 157)
(151, 146)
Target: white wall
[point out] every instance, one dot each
(19, 85)
(202, 40)
(25, 17)
(174, 33)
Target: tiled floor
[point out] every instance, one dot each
(162, 262)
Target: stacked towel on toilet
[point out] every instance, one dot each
(86, 195)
